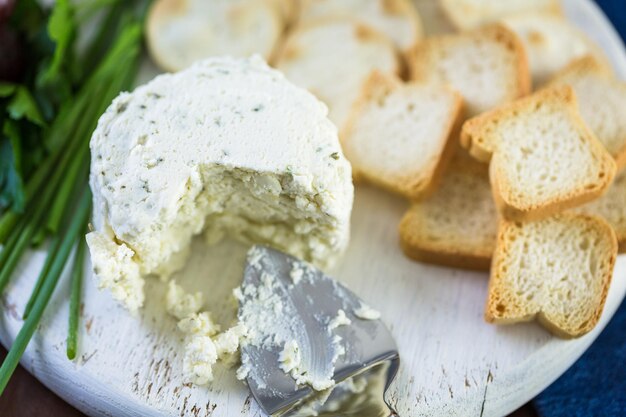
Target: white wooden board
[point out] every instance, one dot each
(453, 363)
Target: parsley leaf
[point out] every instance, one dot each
(7, 89)
(62, 30)
(57, 72)
(23, 106)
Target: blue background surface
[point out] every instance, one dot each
(616, 12)
(596, 384)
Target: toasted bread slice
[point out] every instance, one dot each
(290, 10)
(333, 58)
(469, 14)
(601, 101)
(487, 66)
(545, 159)
(551, 43)
(556, 270)
(457, 225)
(399, 135)
(612, 207)
(180, 32)
(434, 18)
(398, 19)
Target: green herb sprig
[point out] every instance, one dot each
(43, 184)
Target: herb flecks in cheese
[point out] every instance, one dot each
(227, 146)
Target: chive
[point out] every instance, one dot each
(77, 169)
(20, 245)
(74, 155)
(81, 164)
(57, 140)
(52, 249)
(9, 245)
(32, 221)
(50, 191)
(71, 115)
(79, 218)
(101, 40)
(77, 282)
(40, 236)
(11, 217)
(54, 162)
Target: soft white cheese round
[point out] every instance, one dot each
(228, 146)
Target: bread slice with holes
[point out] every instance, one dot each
(469, 14)
(551, 42)
(545, 159)
(398, 19)
(333, 58)
(601, 101)
(399, 136)
(180, 32)
(457, 225)
(487, 66)
(556, 270)
(612, 207)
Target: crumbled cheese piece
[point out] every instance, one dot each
(366, 312)
(296, 273)
(290, 359)
(116, 270)
(238, 294)
(340, 320)
(204, 346)
(181, 304)
(227, 342)
(200, 323)
(317, 384)
(254, 256)
(200, 356)
(244, 370)
(340, 349)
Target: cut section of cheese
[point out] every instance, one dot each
(227, 146)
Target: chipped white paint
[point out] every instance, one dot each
(452, 362)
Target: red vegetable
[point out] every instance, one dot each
(11, 58)
(6, 9)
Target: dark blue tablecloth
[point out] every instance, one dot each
(596, 384)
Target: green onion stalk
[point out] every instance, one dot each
(57, 196)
